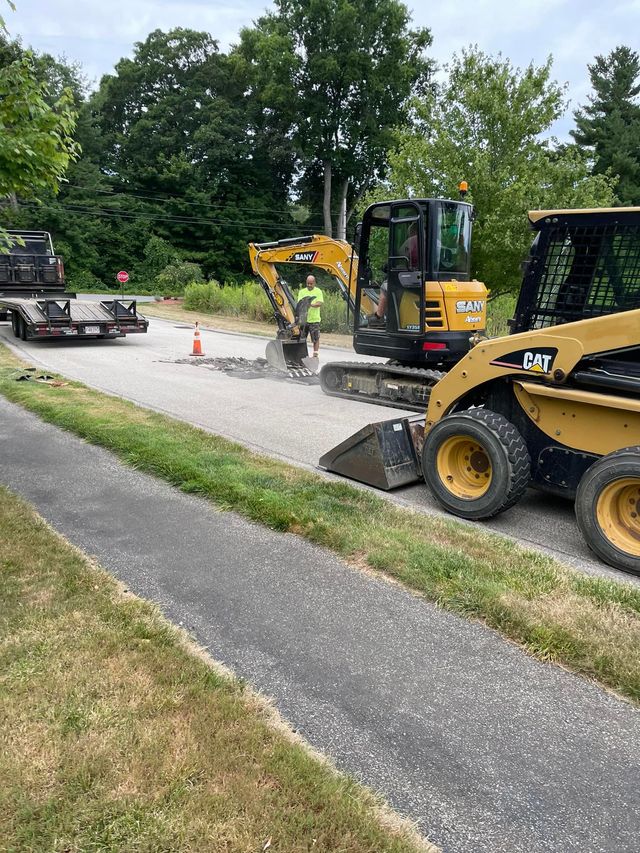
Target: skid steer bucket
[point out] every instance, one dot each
(382, 455)
(290, 355)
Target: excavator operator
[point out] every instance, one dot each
(410, 250)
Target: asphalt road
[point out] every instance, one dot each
(276, 416)
(487, 749)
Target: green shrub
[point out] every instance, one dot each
(500, 310)
(175, 277)
(249, 301)
(84, 281)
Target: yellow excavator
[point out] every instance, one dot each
(554, 405)
(408, 290)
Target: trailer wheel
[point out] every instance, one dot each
(15, 323)
(22, 328)
(476, 463)
(608, 509)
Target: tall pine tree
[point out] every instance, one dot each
(609, 125)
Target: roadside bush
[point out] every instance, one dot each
(499, 310)
(249, 301)
(175, 277)
(84, 281)
(158, 255)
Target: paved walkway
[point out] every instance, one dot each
(487, 749)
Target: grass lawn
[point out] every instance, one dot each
(118, 735)
(591, 625)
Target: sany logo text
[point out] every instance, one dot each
(303, 257)
(464, 306)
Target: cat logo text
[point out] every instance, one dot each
(532, 360)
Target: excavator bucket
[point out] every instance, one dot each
(383, 454)
(290, 355)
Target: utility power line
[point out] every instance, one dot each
(127, 193)
(86, 210)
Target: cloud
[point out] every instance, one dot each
(98, 33)
(572, 31)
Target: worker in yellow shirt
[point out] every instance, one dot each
(311, 298)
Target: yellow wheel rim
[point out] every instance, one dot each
(618, 514)
(464, 467)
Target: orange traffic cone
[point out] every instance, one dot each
(197, 346)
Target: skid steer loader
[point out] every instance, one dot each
(554, 405)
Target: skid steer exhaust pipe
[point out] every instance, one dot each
(286, 356)
(384, 455)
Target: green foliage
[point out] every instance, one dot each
(335, 78)
(36, 139)
(249, 302)
(84, 281)
(176, 276)
(172, 149)
(158, 254)
(484, 125)
(608, 127)
(499, 311)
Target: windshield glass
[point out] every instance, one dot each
(453, 238)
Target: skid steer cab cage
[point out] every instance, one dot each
(582, 264)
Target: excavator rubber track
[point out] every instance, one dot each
(390, 384)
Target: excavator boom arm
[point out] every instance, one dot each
(337, 257)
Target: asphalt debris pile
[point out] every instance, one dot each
(244, 368)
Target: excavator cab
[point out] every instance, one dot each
(415, 256)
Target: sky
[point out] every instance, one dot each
(99, 32)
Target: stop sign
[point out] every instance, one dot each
(123, 276)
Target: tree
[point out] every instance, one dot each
(485, 125)
(36, 139)
(336, 76)
(171, 134)
(36, 125)
(608, 127)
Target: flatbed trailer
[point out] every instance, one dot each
(64, 316)
(33, 297)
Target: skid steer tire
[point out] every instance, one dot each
(608, 509)
(476, 463)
